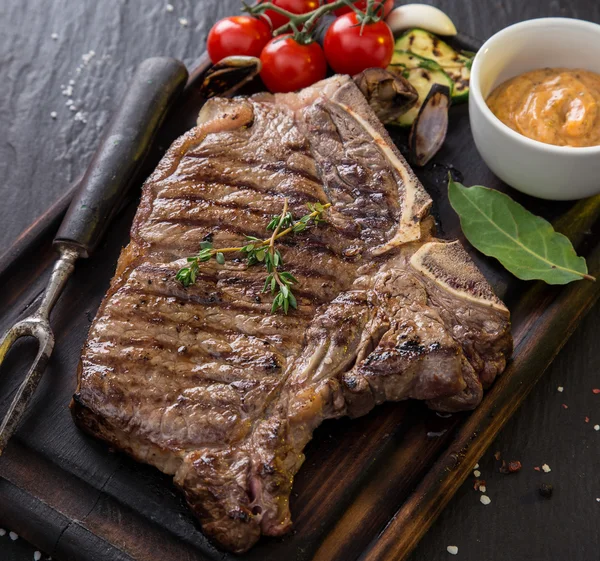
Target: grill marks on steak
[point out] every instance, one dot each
(210, 387)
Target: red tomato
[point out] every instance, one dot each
(237, 35)
(388, 6)
(293, 6)
(288, 66)
(350, 47)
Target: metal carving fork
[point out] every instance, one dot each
(155, 86)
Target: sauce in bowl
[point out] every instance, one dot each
(552, 105)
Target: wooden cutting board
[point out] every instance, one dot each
(369, 488)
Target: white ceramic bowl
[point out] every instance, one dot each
(538, 169)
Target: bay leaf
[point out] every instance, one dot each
(524, 243)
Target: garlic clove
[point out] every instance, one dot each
(426, 17)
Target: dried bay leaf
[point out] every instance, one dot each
(524, 243)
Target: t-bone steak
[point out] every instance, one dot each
(209, 386)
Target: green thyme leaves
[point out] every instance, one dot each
(262, 252)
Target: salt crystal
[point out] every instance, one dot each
(477, 473)
(37, 556)
(476, 466)
(71, 82)
(452, 550)
(54, 36)
(53, 114)
(13, 536)
(482, 488)
(169, 7)
(546, 468)
(68, 90)
(2, 532)
(485, 500)
(560, 389)
(184, 22)
(87, 57)
(596, 427)
(80, 116)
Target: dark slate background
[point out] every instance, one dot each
(40, 156)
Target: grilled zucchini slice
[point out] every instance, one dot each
(410, 60)
(426, 45)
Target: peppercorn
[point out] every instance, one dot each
(546, 490)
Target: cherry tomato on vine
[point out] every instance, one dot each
(293, 6)
(388, 6)
(237, 35)
(288, 66)
(351, 47)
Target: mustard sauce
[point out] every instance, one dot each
(552, 105)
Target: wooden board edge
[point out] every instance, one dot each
(48, 529)
(70, 519)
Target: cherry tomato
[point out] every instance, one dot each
(288, 66)
(351, 47)
(293, 6)
(388, 6)
(237, 35)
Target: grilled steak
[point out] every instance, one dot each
(204, 382)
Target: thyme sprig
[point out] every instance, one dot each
(257, 251)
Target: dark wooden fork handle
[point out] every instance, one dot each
(157, 83)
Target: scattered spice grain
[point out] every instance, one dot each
(512, 467)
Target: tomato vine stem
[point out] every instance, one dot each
(302, 25)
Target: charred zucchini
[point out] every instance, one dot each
(425, 45)
(410, 60)
(422, 79)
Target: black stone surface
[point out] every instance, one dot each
(40, 156)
